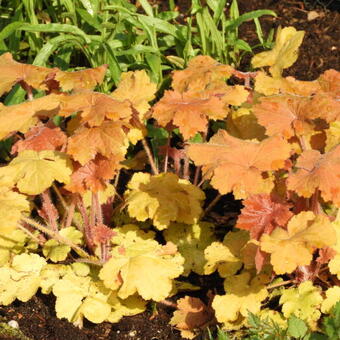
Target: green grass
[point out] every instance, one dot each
(71, 33)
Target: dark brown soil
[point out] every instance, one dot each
(319, 52)
(320, 49)
(38, 321)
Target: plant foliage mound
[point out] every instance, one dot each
(92, 214)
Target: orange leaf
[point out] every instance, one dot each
(189, 111)
(107, 140)
(13, 72)
(102, 234)
(41, 138)
(84, 79)
(93, 175)
(201, 72)
(239, 165)
(286, 115)
(317, 171)
(20, 117)
(95, 107)
(261, 214)
(330, 82)
(192, 314)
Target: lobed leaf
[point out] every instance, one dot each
(35, 171)
(284, 53)
(295, 246)
(317, 171)
(188, 111)
(163, 198)
(238, 165)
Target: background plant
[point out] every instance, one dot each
(66, 34)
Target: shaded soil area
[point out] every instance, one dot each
(319, 52)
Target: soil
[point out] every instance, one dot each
(319, 52)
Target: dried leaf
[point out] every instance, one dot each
(192, 314)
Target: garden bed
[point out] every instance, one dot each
(319, 52)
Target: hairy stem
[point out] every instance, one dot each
(70, 213)
(50, 209)
(186, 168)
(56, 236)
(279, 284)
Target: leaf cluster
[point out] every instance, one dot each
(93, 214)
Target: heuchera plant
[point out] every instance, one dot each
(67, 226)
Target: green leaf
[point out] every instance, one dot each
(56, 28)
(248, 16)
(296, 327)
(331, 323)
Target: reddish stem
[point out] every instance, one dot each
(87, 230)
(70, 213)
(98, 207)
(167, 154)
(197, 174)
(28, 90)
(151, 160)
(50, 209)
(186, 168)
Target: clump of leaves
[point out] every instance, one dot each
(105, 244)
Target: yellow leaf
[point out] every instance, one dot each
(125, 307)
(226, 256)
(12, 205)
(284, 53)
(21, 117)
(163, 198)
(334, 263)
(332, 297)
(243, 124)
(55, 251)
(333, 135)
(141, 265)
(303, 301)
(33, 172)
(11, 241)
(244, 295)
(136, 87)
(294, 247)
(191, 241)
